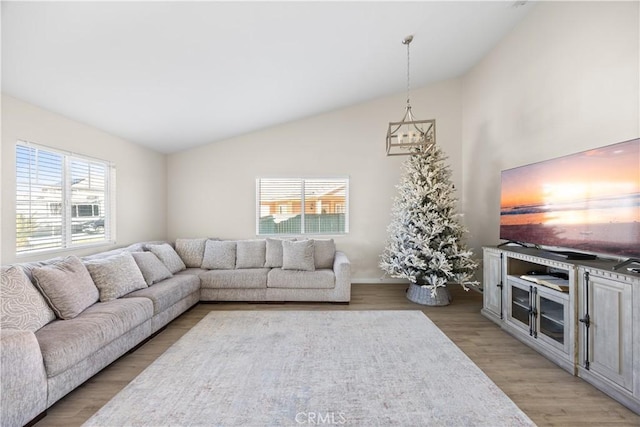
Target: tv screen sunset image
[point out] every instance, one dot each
(589, 201)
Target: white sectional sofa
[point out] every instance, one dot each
(65, 319)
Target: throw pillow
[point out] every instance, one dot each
(21, 305)
(219, 255)
(324, 253)
(152, 269)
(168, 256)
(298, 255)
(273, 253)
(116, 275)
(250, 253)
(67, 286)
(191, 251)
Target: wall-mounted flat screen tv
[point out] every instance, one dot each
(587, 202)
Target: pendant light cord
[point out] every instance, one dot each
(407, 41)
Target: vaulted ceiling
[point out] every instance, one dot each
(174, 75)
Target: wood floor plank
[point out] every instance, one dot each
(547, 394)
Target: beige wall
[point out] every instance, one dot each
(211, 189)
(565, 80)
(140, 173)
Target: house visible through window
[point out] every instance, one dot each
(280, 201)
(62, 200)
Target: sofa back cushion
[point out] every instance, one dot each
(21, 305)
(152, 269)
(298, 255)
(219, 255)
(324, 252)
(116, 275)
(191, 251)
(168, 256)
(67, 286)
(250, 253)
(273, 255)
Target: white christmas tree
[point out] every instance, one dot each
(425, 243)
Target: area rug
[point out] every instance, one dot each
(291, 368)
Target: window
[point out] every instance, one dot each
(62, 200)
(280, 203)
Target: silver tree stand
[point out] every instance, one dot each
(420, 295)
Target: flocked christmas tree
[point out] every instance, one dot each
(425, 243)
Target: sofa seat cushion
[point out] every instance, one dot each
(191, 272)
(299, 279)
(247, 278)
(64, 343)
(166, 293)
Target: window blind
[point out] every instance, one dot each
(62, 200)
(293, 206)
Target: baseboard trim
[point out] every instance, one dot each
(377, 280)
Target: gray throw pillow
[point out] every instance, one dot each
(21, 305)
(67, 286)
(219, 255)
(324, 253)
(115, 276)
(168, 256)
(273, 257)
(298, 255)
(250, 253)
(191, 251)
(152, 269)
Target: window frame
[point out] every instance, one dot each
(68, 240)
(303, 201)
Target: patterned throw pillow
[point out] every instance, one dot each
(116, 275)
(250, 253)
(219, 255)
(298, 255)
(67, 286)
(324, 253)
(21, 305)
(168, 256)
(153, 270)
(191, 251)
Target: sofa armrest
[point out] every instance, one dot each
(23, 389)
(342, 271)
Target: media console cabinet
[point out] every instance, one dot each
(582, 315)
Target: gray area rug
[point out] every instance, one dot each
(291, 368)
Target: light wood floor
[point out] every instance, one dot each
(549, 395)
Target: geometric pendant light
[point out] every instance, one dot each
(409, 135)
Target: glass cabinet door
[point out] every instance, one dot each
(520, 307)
(552, 319)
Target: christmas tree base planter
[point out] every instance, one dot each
(420, 295)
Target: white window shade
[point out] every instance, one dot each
(62, 200)
(39, 199)
(290, 206)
